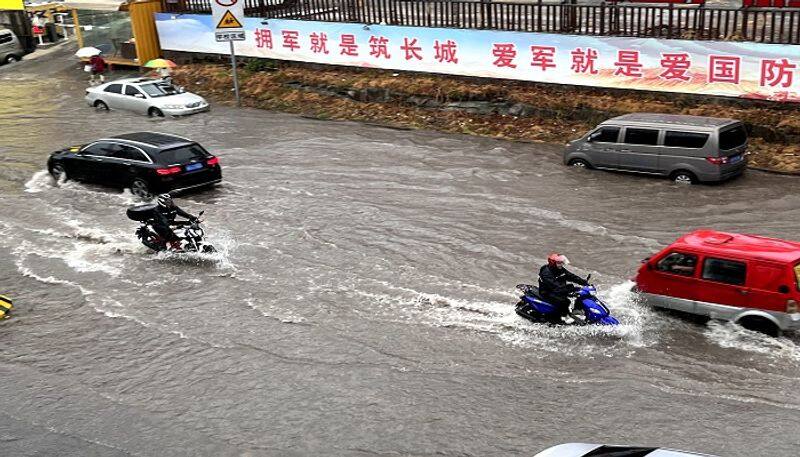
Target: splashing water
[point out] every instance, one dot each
(730, 335)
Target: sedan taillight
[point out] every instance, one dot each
(213, 161)
(168, 171)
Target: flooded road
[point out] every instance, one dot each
(362, 301)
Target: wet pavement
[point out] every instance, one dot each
(362, 299)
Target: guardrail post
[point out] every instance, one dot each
(486, 12)
(669, 22)
(602, 17)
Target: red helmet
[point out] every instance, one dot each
(557, 260)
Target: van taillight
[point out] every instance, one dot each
(213, 161)
(791, 306)
(717, 160)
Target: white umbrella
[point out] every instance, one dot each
(88, 51)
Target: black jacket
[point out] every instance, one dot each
(166, 216)
(553, 281)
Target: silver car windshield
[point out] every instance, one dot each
(159, 89)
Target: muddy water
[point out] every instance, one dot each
(362, 301)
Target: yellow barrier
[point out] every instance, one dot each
(11, 5)
(5, 307)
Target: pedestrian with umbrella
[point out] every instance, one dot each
(97, 65)
(162, 68)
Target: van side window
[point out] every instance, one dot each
(641, 136)
(797, 275)
(605, 135)
(678, 263)
(727, 271)
(6, 38)
(685, 139)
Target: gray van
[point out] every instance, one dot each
(687, 149)
(11, 49)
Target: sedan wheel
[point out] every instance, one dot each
(140, 189)
(101, 105)
(155, 112)
(12, 58)
(58, 172)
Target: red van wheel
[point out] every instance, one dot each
(760, 324)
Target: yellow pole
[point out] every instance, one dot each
(78, 32)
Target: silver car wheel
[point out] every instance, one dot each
(140, 189)
(683, 179)
(12, 59)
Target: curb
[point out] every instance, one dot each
(775, 172)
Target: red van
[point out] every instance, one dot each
(748, 279)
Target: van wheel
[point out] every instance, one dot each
(760, 324)
(101, 105)
(683, 177)
(580, 163)
(155, 112)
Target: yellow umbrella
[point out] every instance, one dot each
(160, 63)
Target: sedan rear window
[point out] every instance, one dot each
(732, 138)
(685, 139)
(182, 154)
(727, 271)
(114, 88)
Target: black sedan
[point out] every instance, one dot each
(147, 163)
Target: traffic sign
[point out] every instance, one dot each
(225, 35)
(228, 15)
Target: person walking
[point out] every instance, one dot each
(98, 68)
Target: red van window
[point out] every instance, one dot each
(767, 277)
(725, 271)
(678, 263)
(797, 275)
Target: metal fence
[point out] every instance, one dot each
(765, 25)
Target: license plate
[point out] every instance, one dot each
(194, 166)
(735, 159)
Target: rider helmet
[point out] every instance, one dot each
(164, 200)
(557, 260)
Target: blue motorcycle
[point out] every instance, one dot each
(531, 306)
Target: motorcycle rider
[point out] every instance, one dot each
(554, 284)
(164, 217)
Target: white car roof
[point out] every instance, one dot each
(582, 449)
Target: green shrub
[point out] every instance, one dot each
(256, 65)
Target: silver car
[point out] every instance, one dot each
(153, 97)
(599, 450)
(687, 149)
(11, 49)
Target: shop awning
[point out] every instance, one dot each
(97, 5)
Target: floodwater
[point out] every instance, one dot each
(362, 300)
